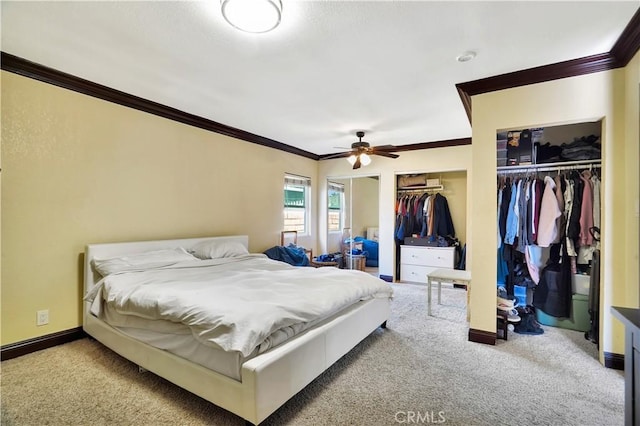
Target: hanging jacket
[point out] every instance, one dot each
(512, 219)
(549, 212)
(560, 222)
(504, 209)
(568, 208)
(443, 224)
(586, 213)
(573, 229)
(538, 203)
(523, 232)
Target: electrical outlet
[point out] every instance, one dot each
(42, 317)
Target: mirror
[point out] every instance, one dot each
(352, 221)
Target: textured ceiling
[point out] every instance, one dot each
(329, 69)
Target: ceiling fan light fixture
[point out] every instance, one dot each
(252, 16)
(361, 152)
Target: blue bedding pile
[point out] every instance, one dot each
(291, 254)
(371, 248)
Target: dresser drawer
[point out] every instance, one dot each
(415, 273)
(438, 257)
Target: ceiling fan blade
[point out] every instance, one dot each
(338, 155)
(356, 165)
(385, 154)
(385, 148)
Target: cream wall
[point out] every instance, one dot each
(435, 160)
(605, 95)
(365, 204)
(632, 158)
(79, 170)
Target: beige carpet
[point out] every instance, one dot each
(421, 369)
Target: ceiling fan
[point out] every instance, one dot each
(360, 152)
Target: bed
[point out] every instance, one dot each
(249, 383)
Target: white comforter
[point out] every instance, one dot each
(239, 304)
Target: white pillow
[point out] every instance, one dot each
(213, 249)
(141, 261)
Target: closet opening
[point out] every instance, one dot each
(549, 224)
(430, 223)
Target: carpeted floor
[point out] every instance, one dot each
(419, 370)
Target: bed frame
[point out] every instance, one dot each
(268, 380)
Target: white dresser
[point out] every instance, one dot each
(417, 261)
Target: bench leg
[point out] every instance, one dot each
(429, 296)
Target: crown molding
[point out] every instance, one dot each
(628, 43)
(17, 65)
(624, 49)
(411, 147)
(571, 68)
(622, 52)
(436, 144)
(45, 74)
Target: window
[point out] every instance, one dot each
(336, 207)
(296, 203)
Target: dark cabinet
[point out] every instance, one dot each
(630, 317)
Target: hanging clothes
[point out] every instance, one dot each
(573, 228)
(511, 227)
(523, 232)
(424, 214)
(560, 183)
(586, 212)
(549, 213)
(443, 223)
(538, 216)
(504, 208)
(427, 215)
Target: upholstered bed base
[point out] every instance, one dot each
(269, 379)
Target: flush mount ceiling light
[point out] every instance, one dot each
(466, 56)
(253, 16)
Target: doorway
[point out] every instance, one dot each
(353, 217)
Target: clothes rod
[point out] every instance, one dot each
(422, 189)
(550, 167)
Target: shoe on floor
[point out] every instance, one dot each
(528, 325)
(506, 304)
(502, 292)
(513, 316)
